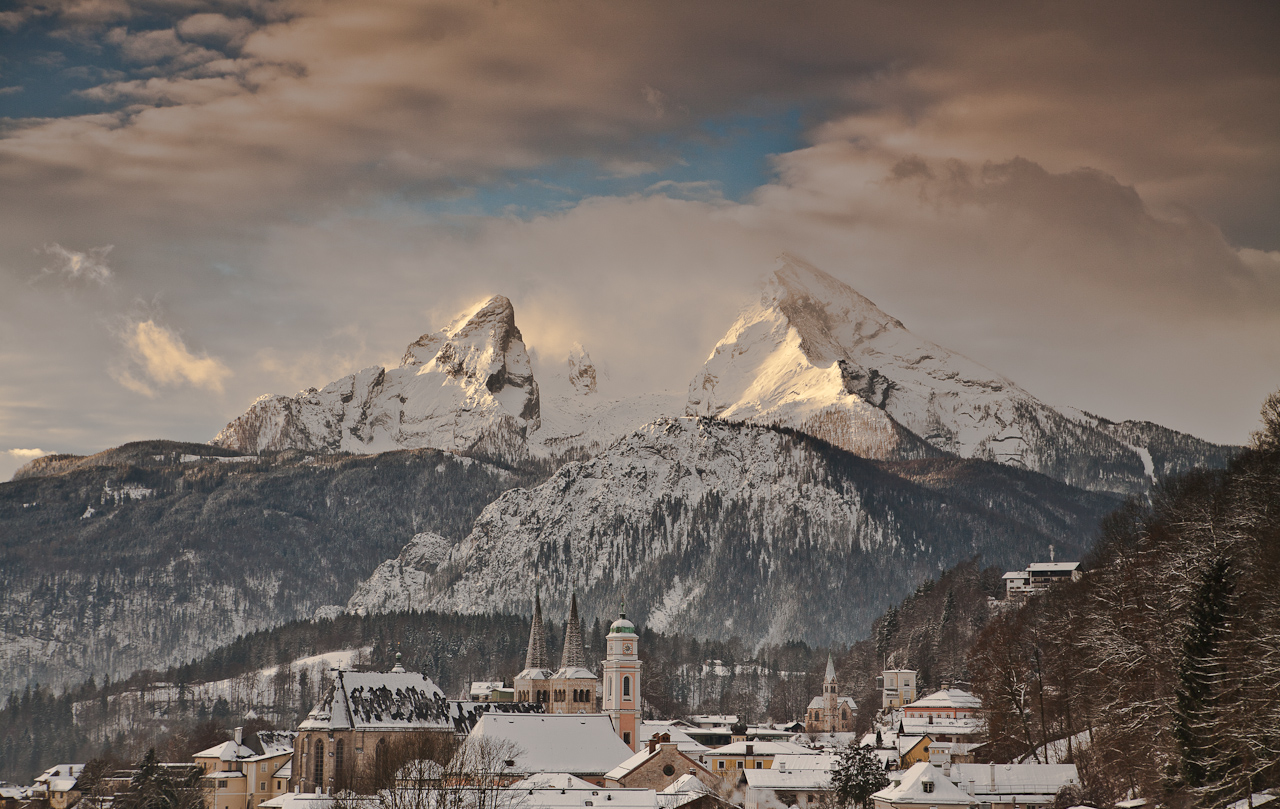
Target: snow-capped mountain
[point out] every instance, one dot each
(725, 529)
(812, 354)
(468, 387)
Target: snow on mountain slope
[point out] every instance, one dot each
(468, 387)
(718, 529)
(582, 412)
(813, 354)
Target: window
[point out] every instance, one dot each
(739, 764)
(319, 765)
(380, 757)
(222, 785)
(337, 757)
(927, 786)
(626, 737)
(759, 765)
(720, 764)
(668, 770)
(626, 686)
(262, 786)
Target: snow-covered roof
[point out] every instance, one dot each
(60, 771)
(61, 784)
(1053, 566)
(363, 700)
(911, 786)
(684, 742)
(482, 687)
(265, 744)
(713, 720)
(573, 673)
(534, 674)
(809, 761)
(1015, 779)
(686, 783)
(789, 779)
(947, 699)
(552, 780)
(1020, 575)
(622, 770)
(760, 749)
(818, 702)
(575, 743)
(299, 800)
(286, 769)
(1257, 799)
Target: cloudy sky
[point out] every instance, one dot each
(207, 200)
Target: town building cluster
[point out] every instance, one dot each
(570, 737)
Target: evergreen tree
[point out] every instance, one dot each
(857, 776)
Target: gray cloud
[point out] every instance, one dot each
(1082, 198)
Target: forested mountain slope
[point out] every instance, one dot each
(1162, 666)
(717, 529)
(94, 553)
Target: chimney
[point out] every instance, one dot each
(239, 736)
(751, 749)
(653, 743)
(993, 776)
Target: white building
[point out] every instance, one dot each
(584, 745)
(1038, 577)
(897, 687)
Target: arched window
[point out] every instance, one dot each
(609, 687)
(337, 760)
(626, 686)
(380, 758)
(319, 764)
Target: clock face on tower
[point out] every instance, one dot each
(626, 648)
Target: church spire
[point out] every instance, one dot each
(574, 655)
(536, 657)
(831, 669)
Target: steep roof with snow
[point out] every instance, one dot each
(366, 700)
(923, 784)
(949, 699)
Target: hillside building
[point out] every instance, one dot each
(830, 713)
(897, 687)
(1038, 577)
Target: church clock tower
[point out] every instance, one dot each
(622, 679)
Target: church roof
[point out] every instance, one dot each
(536, 657)
(818, 702)
(831, 669)
(573, 673)
(372, 699)
(574, 655)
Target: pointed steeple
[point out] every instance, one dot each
(831, 669)
(536, 657)
(574, 655)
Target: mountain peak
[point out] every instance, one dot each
(828, 314)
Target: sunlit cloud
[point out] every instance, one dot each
(90, 265)
(157, 356)
(27, 454)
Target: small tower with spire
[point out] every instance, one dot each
(573, 686)
(533, 683)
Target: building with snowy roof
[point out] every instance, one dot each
(1005, 786)
(573, 687)
(245, 771)
(364, 714)
(897, 687)
(830, 713)
(782, 787)
(1038, 577)
(658, 764)
(923, 786)
(584, 745)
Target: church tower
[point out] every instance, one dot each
(532, 684)
(622, 679)
(573, 686)
(830, 697)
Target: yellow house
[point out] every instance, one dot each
(730, 760)
(242, 773)
(913, 750)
